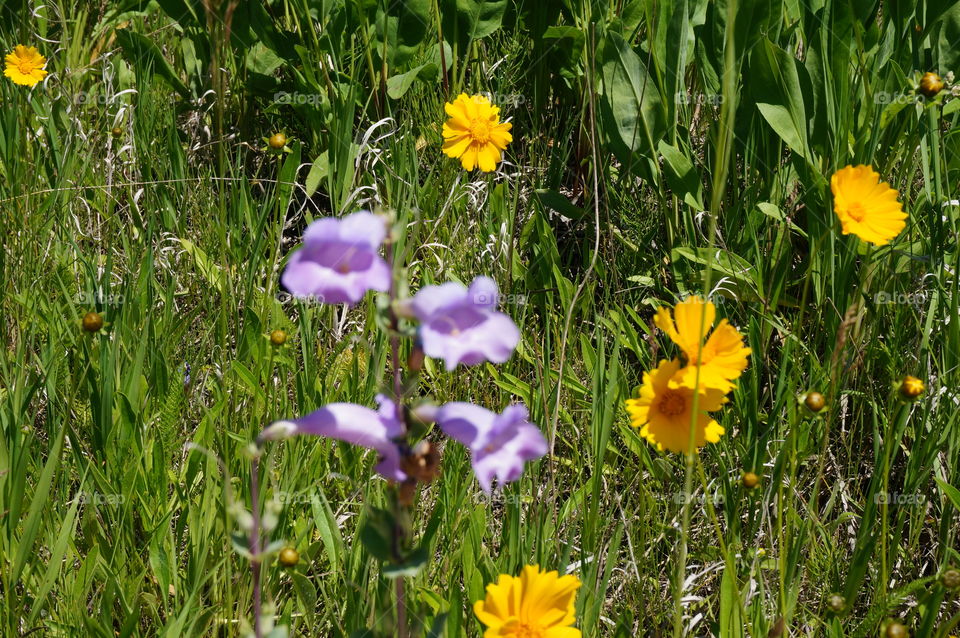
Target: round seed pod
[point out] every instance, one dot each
(931, 84)
(896, 629)
(277, 141)
(837, 603)
(289, 557)
(951, 578)
(911, 388)
(92, 322)
(116, 131)
(814, 401)
(278, 337)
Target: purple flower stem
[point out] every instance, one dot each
(255, 542)
(398, 532)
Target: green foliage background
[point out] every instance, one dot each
(661, 148)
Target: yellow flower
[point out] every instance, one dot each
(25, 65)
(535, 604)
(664, 410)
(721, 358)
(911, 388)
(867, 207)
(474, 132)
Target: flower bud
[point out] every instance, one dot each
(950, 578)
(814, 401)
(116, 131)
(750, 480)
(289, 557)
(423, 462)
(277, 431)
(911, 388)
(837, 603)
(278, 337)
(92, 322)
(931, 84)
(277, 141)
(896, 629)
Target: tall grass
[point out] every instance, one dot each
(123, 461)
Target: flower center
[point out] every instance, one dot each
(26, 67)
(480, 130)
(523, 630)
(856, 211)
(672, 404)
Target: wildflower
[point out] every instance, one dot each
(931, 84)
(277, 141)
(355, 424)
(536, 604)
(720, 359)
(339, 261)
(866, 207)
(474, 132)
(25, 65)
(896, 629)
(814, 401)
(750, 480)
(911, 388)
(278, 337)
(837, 603)
(461, 325)
(499, 443)
(92, 322)
(951, 578)
(664, 410)
(289, 557)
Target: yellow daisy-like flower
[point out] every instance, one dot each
(722, 358)
(535, 604)
(25, 65)
(474, 132)
(664, 410)
(867, 207)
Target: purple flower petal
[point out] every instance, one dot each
(460, 325)
(355, 424)
(339, 261)
(499, 444)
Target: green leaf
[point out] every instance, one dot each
(398, 85)
(775, 80)
(147, 58)
(634, 121)
(377, 533)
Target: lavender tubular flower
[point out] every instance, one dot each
(340, 260)
(461, 325)
(499, 444)
(355, 424)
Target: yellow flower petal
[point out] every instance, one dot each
(476, 120)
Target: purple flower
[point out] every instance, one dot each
(340, 260)
(462, 325)
(499, 443)
(356, 424)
